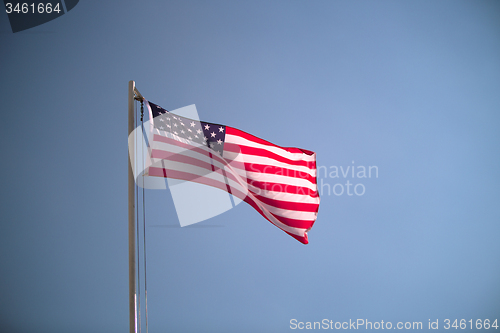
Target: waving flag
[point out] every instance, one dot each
(280, 183)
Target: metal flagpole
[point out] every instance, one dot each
(133, 94)
(131, 218)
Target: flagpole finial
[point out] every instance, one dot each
(137, 94)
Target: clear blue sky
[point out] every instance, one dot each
(412, 87)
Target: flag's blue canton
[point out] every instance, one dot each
(211, 135)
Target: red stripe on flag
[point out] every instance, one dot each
(289, 205)
(285, 188)
(273, 170)
(235, 148)
(245, 135)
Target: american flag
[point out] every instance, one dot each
(279, 182)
